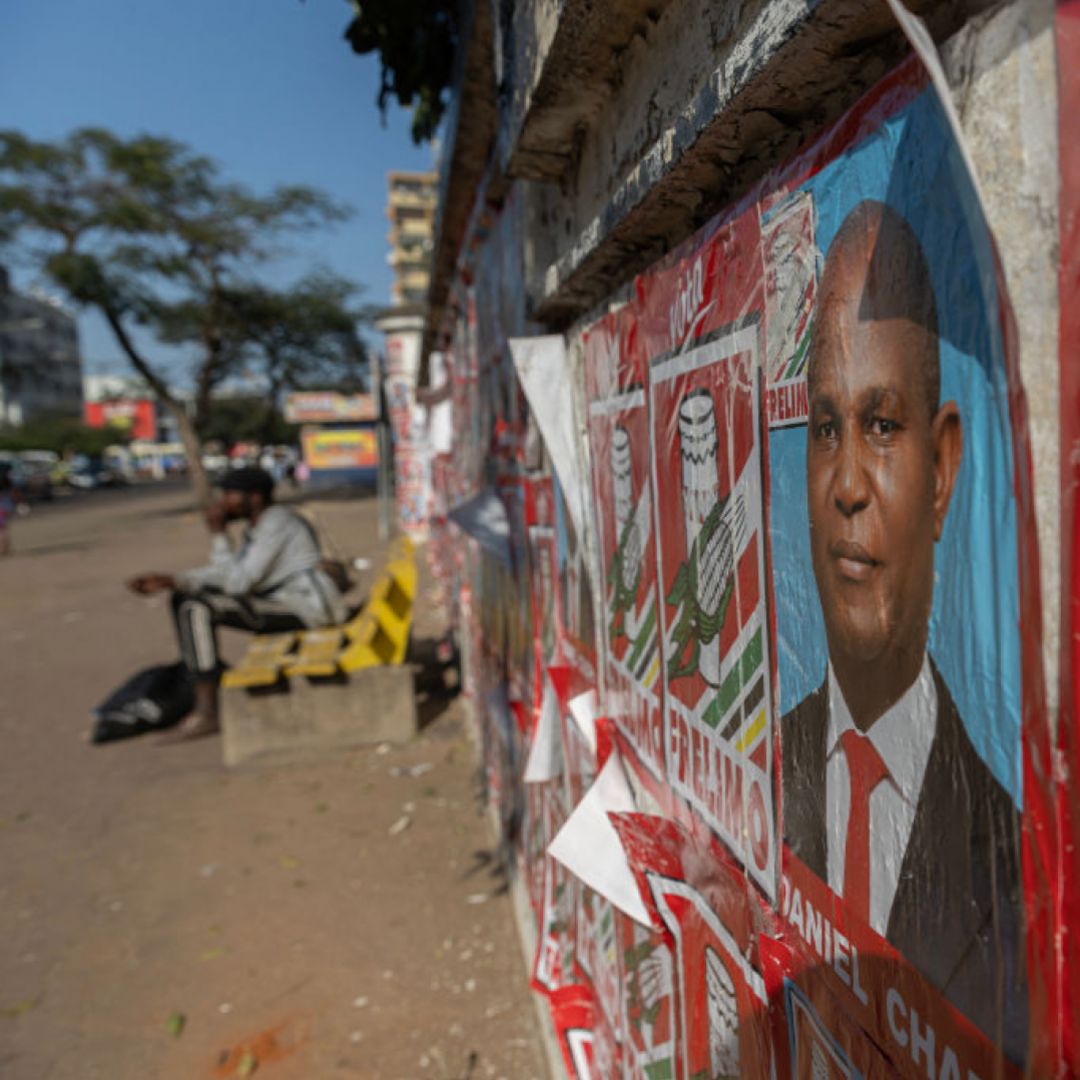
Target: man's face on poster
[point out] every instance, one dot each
(881, 455)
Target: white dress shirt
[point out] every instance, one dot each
(902, 736)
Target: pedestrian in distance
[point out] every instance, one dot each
(11, 500)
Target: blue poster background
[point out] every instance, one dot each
(913, 164)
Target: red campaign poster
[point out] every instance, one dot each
(573, 1015)
(701, 329)
(649, 1017)
(839, 960)
(534, 841)
(814, 1037)
(789, 260)
(554, 966)
(911, 709)
(581, 734)
(713, 919)
(597, 956)
(619, 440)
(597, 953)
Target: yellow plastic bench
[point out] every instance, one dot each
(262, 663)
(378, 635)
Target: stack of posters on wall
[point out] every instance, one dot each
(806, 459)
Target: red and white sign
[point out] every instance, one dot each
(135, 417)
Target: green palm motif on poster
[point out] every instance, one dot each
(702, 590)
(625, 560)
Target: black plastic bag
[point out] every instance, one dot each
(153, 699)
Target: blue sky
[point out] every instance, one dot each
(268, 88)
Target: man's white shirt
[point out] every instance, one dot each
(902, 736)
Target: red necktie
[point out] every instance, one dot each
(866, 770)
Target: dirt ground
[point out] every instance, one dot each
(161, 917)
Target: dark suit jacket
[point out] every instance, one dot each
(958, 911)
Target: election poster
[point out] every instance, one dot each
(814, 1036)
(897, 543)
(815, 639)
(554, 965)
(790, 268)
(573, 1014)
(597, 956)
(701, 330)
(619, 440)
(649, 1020)
(712, 918)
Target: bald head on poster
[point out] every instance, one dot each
(882, 457)
(877, 758)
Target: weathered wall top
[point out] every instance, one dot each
(560, 62)
(637, 121)
(710, 98)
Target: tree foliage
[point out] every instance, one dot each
(254, 418)
(148, 232)
(301, 337)
(416, 41)
(60, 434)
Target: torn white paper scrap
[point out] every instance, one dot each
(542, 368)
(589, 847)
(545, 753)
(583, 710)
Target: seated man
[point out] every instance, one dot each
(271, 583)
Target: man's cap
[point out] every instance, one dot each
(250, 479)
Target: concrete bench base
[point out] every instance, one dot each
(306, 719)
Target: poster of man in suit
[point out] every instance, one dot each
(894, 536)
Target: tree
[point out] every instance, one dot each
(146, 232)
(302, 337)
(416, 41)
(246, 419)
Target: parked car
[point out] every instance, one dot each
(31, 481)
(88, 474)
(37, 468)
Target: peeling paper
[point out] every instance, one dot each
(545, 753)
(589, 847)
(484, 518)
(543, 369)
(583, 710)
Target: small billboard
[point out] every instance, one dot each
(329, 407)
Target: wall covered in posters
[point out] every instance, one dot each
(766, 762)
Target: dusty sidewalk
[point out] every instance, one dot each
(272, 909)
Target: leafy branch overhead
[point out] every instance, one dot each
(416, 41)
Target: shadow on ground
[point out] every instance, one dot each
(437, 679)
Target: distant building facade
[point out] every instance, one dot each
(411, 202)
(40, 369)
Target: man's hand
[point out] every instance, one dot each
(215, 517)
(148, 584)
